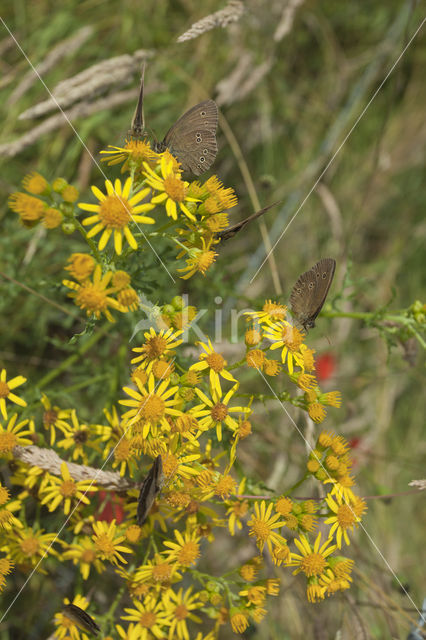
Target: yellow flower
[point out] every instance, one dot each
(157, 345)
(344, 518)
(54, 418)
(262, 525)
(77, 436)
(84, 554)
(173, 190)
(151, 617)
(312, 560)
(284, 335)
(216, 364)
(331, 583)
(15, 434)
(30, 546)
(199, 260)
(255, 595)
(35, 183)
(7, 519)
(80, 266)
(271, 312)
(215, 411)
(239, 621)
(134, 153)
(115, 212)
(132, 633)
(93, 296)
(152, 405)
(180, 605)
(28, 208)
(186, 550)
(107, 545)
(66, 490)
(52, 218)
(6, 391)
(159, 571)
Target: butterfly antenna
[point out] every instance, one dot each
(138, 122)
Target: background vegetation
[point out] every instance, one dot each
(288, 100)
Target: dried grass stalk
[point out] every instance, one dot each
(55, 55)
(242, 80)
(286, 23)
(49, 460)
(89, 83)
(231, 13)
(418, 484)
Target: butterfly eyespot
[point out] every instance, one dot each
(311, 285)
(318, 275)
(198, 137)
(202, 159)
(299, 291)
(324, 275)
(203, 113)
(205, 151)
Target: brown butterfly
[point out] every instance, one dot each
(231, 231)
(310, 291)
(150, 489)
(80, 618)
(192, 139)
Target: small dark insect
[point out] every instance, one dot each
(310, 291)
(192, 139)
(231, 231)
(150, 489)
(81, 618)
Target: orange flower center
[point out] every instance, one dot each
(7, 441)
(122, 451)
(189, 553)
(161, 572)
(225, 486)
(88, 556)
(68, 488)
(105, 545)
(49, 417)
(170, 464)
(181, 612)
(219, 412)
(260, 529)
(216, 361)
(292, 337)
(30, 546)
(115, 212)
(155, 347)
(204, 260)
(148, 619)
(91, 297)
(4, 390)
(313, 564)
(345, 517)
(152, 408)
(5, 517)
(175, 188)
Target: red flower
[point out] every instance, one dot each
(325, 366)
(111, 506)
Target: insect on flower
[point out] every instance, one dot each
(150, 489)
(81, 618)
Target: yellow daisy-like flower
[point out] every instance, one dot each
(132, 632)
(199, 260)
(115, 212)
(30, 545)
(262, 525)
(66, 490)
(15, 434)
(239, 621)
(151, 617)
(107, 543)
(216, 364)
(28, 208)
(271, 312)
(52, 218)
(173, 190)
(6, 387)
(7, 507)
(68, 628)
(81, 266)
(186, 550)
(215, 411)
(332, 583)
(158, 345)
(134, 153)
(35, 183)
(312, 560)
(93, 295)
(180, 605)
(344, 518)
(84, 554)
(152, 405)
(78, 436)
(54, 418)
(159, 571)
(289, 338)
(178, 459)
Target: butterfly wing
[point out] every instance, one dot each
(192, 139)
(310, 291)
(150, 489)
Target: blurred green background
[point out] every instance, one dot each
(291, 80)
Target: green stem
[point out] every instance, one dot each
(81, 350)
(301, 481)
(89, 241)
